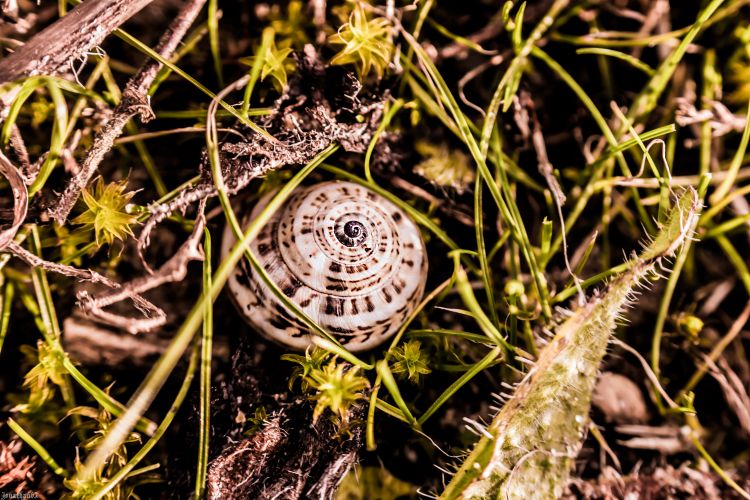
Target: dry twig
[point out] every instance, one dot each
(244, 161)
(175, 269)
(134, 102)
(52, 50)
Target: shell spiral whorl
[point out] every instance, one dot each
(349, 258)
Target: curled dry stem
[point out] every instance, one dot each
(153, 315)
(175, 269)
(20, 200)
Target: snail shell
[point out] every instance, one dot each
(350, 259)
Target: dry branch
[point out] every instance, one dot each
(298, 143)
(91, 344)
(134, 101)
(53, 49)
(285, 459)
(153, 314)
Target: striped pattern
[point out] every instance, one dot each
(352, 260)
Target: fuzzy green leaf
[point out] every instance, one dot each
(532, 443)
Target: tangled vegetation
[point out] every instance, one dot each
(579, 172)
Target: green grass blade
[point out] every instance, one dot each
(516, 456)
(37, 447)
(156, 378)
(6, 305)
(479, 366)
(204, 418)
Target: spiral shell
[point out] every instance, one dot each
(350, 259)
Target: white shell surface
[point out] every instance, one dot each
(350, 259)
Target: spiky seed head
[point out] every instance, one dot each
(338, 387)
(367, 43)
(107, 211)
(411, 361)
(312, 361)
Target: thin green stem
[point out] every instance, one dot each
(265, 43)
(736, 259)
(633, 61)
(204, 415)
(390, 383)
(719, 471)
(213, 38)
(484, 265)
(37, 447)
(485, 362)
(59, 125)
(485, 324)
(387, 117)
(124, 472)
(156, 378)
(6, 305)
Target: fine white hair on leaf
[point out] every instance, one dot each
(549, 407)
